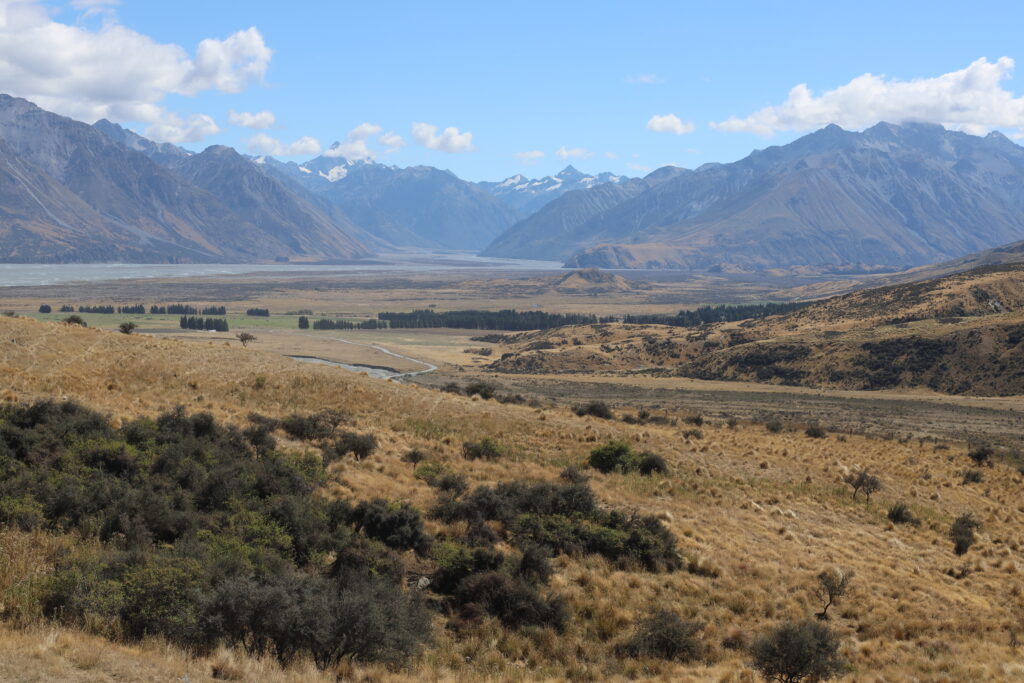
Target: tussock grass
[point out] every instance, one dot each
(758, 515)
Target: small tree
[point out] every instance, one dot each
(962, 532)
(245, 338)
(414, 457)
(127, 327)
(75, 320)
(794, 652)
(832, 585)
(45, 308)
(863, 482)
(303, 322)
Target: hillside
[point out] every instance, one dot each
(888, 198)
(957, 334)
(757, 513)
(135, 209)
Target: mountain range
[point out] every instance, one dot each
(886, 199)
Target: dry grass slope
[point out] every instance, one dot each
(758, 514)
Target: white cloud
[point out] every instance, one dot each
(173, 128)
(529, 158)
(450, 140)
(611, 155)
(354, 146)
(112, 71)
(575, 152)
(261, 120)
(646, 79)
(971, 99)
(261, 143)
(670, 123)
(392, 140)
(639, 167)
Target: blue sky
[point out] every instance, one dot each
(525, 80)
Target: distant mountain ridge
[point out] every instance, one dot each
(529, 195)
(889, 198)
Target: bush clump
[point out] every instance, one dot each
(899, 513)
(962, 532)
(618, 456)
(485, 449)
(662, 634)
(201, 534)
(598, 409)
(361, 446)
(793, 652)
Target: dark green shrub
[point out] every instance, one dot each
(614, 456)
(899, 513)
(360, 445)
(397, 525)
(962, 533)
(664, 635)
(485, 449)
(794, 652)
(45, 308)
(651, 463)
(774, 425)
(513, 601)
(695, 420)
(75, 320)
(414, 457)
(598, 409)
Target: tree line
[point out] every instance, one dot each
(488, 320)
(717, 314)
(191, 322)
(326, 324)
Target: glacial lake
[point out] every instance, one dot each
(30, 274)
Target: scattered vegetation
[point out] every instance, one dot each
(961, 532)
(900, 513)
(714, 314)
(665, 635)
(595, 409)
(794, 652)
(618, 456)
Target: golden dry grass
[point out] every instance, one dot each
(757, 514)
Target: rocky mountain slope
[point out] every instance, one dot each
(889, 198)
(419, 206)
(138, 209)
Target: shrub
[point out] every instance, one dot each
(246, 338)
(45, 308)
(774, 425)
(692, 434)
(430, 471)
(794, 652)
(481, 389)
(598, 409)
(396, 525)
(962, 532)
(127, 327)
(973, 477)
(485, 449)
(319, 425)
(651, 463)
(614, 456)
(981, 455)
(899, 513)
(360, 445)
(664, 635)
(573, 475)
(695, 420)
(75, 320)
(513, 601)
(816, 432)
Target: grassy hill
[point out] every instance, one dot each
(757, 511)
(956, 334)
